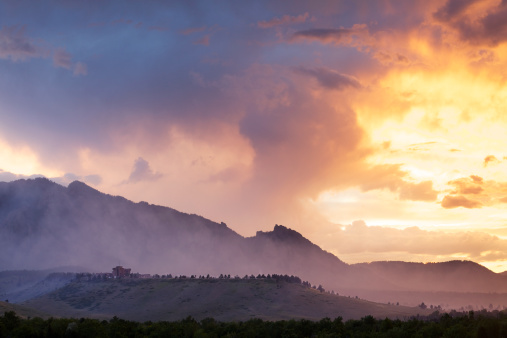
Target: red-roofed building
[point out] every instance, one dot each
(120, 271)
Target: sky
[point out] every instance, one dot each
(374, 128)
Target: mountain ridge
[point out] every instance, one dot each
(43, 224)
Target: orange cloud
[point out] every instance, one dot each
(358, 239)
(485, 192)
(490, 159)
(391, 177)
(467, 185)
(422, 191)
(476, 179)
(450, 202)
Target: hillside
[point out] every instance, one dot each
(221, 299)
(17, 286)
(12, 282)
(22, 311)
(44, 225)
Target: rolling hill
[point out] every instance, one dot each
(221, 299)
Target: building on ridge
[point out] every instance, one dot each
(120, 271)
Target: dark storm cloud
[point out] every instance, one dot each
(137, 76)
(495, 24)
(487, 29)
(130, 76)
(452, 9)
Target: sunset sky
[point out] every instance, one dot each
(377, 129)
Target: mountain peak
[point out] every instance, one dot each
(282, 233)
(77, 184)
(78, 187)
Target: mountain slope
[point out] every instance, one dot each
(43, 225)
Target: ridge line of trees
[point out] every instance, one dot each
(277, 277)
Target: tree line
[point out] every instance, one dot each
(479, 324)
(86, 276)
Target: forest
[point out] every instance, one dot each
(453, 324)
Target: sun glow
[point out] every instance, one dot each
(22, 160)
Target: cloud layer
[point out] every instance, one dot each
(359, 239)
